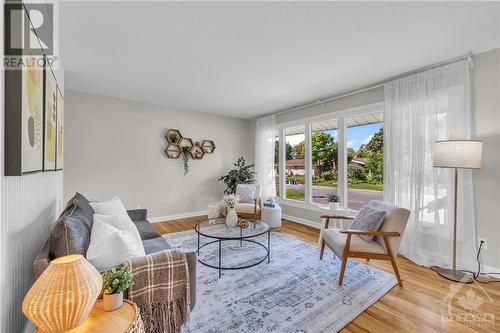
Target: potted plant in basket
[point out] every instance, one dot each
(115, 282)
(333, 199)
(231, 200)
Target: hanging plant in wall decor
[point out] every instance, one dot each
(179, 146)
(185, 158)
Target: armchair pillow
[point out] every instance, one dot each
(368, 218)
(246, 193)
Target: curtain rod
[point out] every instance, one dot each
(378, 84)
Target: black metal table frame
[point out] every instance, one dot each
(241, 239)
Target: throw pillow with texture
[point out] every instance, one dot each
(110, 247)
(246, 193)
(110, 207)
(368, 218)
(121, 222)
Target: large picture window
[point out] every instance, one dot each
(295, 162)
(341, 154)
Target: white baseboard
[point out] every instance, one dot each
(490, 269)
(177, 216)
(300, 220)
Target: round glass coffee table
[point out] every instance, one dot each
(217, 230)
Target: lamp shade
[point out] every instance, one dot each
(63, 295)
(462, 154)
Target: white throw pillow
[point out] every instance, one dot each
(121, 222)
(246, 193)
(110, 207)
(110, 247)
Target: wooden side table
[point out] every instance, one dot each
(125, 319)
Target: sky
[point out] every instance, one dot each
(356, 136)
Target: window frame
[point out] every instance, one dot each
(341, 116)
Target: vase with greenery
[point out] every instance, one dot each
(333, 199)
(185, 158)
(115, 282)
(231, 200)
(242, 174)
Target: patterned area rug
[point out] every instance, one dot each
(295, 292)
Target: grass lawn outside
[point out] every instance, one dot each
(294, 194)
(357, 186)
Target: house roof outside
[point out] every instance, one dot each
(296, 163)
(360, 161)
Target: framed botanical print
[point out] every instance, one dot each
(50, 120)
(24, 113)
(60, 130)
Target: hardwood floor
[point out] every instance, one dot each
(422, 305)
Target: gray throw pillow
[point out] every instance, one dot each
(368, 218)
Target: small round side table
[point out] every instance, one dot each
(125, 319)
(272, 216)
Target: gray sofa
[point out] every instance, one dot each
(71, 235)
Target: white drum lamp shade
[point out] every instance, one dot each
(460, 154)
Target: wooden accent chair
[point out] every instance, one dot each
(384, 246)
(249, 209)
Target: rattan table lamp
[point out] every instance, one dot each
(63, 295)
(457, 154)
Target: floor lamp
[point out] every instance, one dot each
(457, 154)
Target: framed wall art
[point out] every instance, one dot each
(60, 131)
(50, 120)
(24, 116)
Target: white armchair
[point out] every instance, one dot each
(384, 246)
(249, 207)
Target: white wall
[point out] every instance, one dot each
(485, 109)
(116, 146)
(486, 126)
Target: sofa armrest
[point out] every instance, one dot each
(138, 214)
(42, 260)
(192, 260)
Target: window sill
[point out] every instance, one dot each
(324, 209)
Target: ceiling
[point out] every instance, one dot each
(245, 59)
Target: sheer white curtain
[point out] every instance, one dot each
(265, 133)
(421, 109)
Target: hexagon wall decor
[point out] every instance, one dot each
(173, 136)
(173, 151)
(197, 153)
(208, 146)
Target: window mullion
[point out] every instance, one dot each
(342, 161)
(282, 164)
(308, 164)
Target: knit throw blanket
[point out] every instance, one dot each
(161, 290)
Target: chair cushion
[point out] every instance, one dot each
(71, 232)
(368, 218)
(336, 241)
(245, 208)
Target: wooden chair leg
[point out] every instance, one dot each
(344, 259)
(393, 261)
(322, 249)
